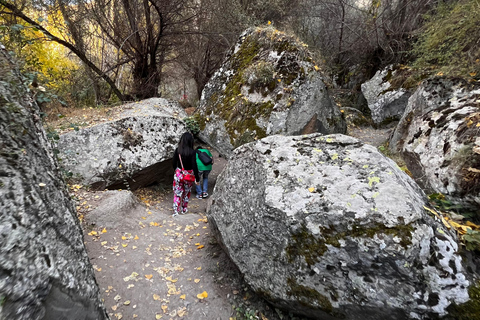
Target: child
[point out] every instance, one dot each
(203, 171)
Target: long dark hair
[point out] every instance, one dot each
(185, 145)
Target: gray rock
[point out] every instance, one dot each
(267, 85)
(327, 227)
(385, 103)
(113, 209)
(45, 272)
(438, 138)
(128, 153)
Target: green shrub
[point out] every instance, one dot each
(192, 125)
(259, 74)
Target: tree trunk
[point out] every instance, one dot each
(45, 272)
(146, 79)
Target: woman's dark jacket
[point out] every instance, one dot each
(189, 163)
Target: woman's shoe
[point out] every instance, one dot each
(199, 196)
(204, 195)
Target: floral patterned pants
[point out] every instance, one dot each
(181, 192)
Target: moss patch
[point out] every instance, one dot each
(308, 295)
(312, 248)
(469, 310)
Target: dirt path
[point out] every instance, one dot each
(375, 137)
(155, 266)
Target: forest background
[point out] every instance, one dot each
(96, 53)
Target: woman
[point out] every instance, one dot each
(181, 188)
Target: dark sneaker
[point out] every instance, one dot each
(204, 195)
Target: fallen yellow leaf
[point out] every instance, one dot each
(171, 280)
(202, 295)
(181, 312)
(136, 237)
(149, 276)
(103, 243)
(158, 316)
(197, 244)
(197, 280)
(183, 297)
(124, 238)
(104, 230)
(471, 224)
(114, 308)
(164, 308)
(445, 223)
(92, 233)
(127, 302)
(200, 247)
(156, 297)
(124, 245)
(317, 68)
(312, 189)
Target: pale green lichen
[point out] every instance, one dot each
(371, 180)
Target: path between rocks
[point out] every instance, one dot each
(150, 265)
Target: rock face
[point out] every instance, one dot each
(328, 227)
(131, 152)
(267, 85)
(385, 103)
(44, 269)
(438, 138)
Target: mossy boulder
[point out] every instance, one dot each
(438, 137)
(328, 227)
(268, 84)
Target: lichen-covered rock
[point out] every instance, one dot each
(386, 104)
(267, 85)
(327, 227)
(438, 137)
(44, 269)
(128, 153)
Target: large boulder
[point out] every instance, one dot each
(438, 138)
(327, 227)
(45, 272)
(268, 84)
(385, 102)
(133, 151)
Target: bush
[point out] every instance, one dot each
(192, 125)
(259, 74)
